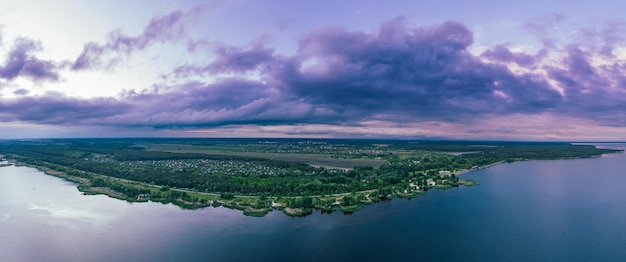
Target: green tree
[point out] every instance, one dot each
(227, 196)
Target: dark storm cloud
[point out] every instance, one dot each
(340, 76)
(231, 101)
(60, 110)
(223, 95)
(427, 73)
(167, 28)
(398, 73)
(21, 62)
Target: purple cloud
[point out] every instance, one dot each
(603, 37)
(167, 28)
(230, 60)
(419, 74)
(399, 74)
(544, 27)
(20, 62)
(500, 53)
(230, 101)
(578, 62)
(60, 110)
(21, 92)
(425, 73)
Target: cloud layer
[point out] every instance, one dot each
(340, 77)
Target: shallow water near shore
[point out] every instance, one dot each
(560, 210)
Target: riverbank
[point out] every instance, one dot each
(424, 225)
(465, 171)
(258, 206)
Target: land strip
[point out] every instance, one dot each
(258, 176)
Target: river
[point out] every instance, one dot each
(561, 210)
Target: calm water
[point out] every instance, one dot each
(564, 210)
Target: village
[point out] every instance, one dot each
(251, 175)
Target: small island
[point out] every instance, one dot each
(258, 176)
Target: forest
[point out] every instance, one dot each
(224, 167)
(122, 158)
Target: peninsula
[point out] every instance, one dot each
(261, 175)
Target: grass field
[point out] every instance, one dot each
(310, 159)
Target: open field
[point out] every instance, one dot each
(316, 160)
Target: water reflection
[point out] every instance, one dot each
(537, 210)
(84, 215)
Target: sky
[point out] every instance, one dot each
(486, 70)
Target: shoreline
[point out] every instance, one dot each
(404, 177)
(257, 206)
(465, 171)
(250, 205)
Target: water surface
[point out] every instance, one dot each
(562, 210)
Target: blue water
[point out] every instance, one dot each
(562, 210)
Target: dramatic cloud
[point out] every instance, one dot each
(592, 91)
(355, 81)
(423, 73)
(231, 101)
(60, 110)
(20, 62)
